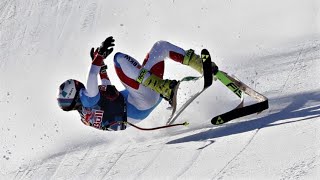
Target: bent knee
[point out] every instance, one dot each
(160, 44)
(118, 58)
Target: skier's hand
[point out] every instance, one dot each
(93, 53)
(106, 47)
(102, 52)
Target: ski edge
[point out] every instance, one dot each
(174, 102)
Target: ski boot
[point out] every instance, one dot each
(195, 62)
(164, 87)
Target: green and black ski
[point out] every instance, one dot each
(238, 88)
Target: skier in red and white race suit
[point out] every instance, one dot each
(103, 106)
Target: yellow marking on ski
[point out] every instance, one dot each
(204, 57)
(219, 121)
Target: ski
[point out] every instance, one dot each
(174, 100)
(237, 87)
(232, 83)
(207, 75)
(239, 112)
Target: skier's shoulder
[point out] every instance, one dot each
(86, 100)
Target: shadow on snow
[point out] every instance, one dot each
(297, 108)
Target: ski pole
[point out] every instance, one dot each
(156, 128)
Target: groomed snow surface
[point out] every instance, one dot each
(273, 46)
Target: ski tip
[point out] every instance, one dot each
(205, 51)
(205, 55)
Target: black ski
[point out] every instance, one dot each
(241, 111)
(207, 69)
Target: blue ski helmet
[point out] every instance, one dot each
(68, 95)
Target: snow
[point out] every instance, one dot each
(273, 46)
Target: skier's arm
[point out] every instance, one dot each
(92, 89)
(90, 95)
(97, 62)
(103, 71)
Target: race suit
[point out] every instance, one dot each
(105, 108)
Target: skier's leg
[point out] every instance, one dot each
(163, 50)
(140, 99)
(160, 51)
(154, 63)
(132, 75)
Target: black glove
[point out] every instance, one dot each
(93, 53)
(106, 47)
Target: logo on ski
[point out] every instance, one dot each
(204, 57)
(235, 89)
(219, 121)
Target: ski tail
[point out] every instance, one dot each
(238, 87)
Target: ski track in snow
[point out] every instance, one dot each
(297, 62)
(220, 174)
(68, 11)
(194, 159)
(107, 174)
(53, 165)
(76, 163)
(151, 161)
(27, 172)
(293, 67)
(88, 20)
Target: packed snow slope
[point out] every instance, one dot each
(273, 46)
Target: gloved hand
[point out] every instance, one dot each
(93, 54)
(102, 52)
(106, 47)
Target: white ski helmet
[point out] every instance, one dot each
(68, 95)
